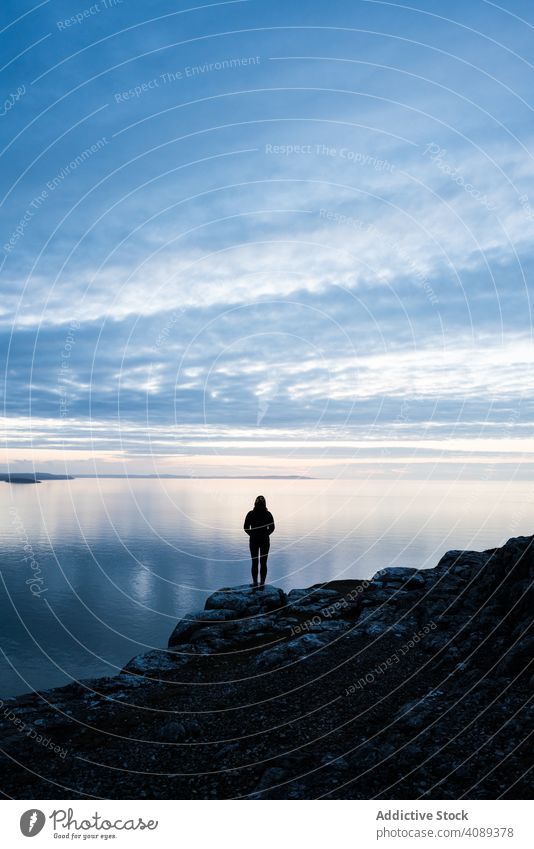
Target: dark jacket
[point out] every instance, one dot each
(259, 524)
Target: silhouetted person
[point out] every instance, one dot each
(259, 525)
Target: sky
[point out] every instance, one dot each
(262, 238)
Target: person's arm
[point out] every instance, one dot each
(270, 526)
(247, 524)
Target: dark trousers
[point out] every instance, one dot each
(259, 546)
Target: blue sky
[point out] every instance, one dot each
(259, 237)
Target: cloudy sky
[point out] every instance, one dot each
(267, 237)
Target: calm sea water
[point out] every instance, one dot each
(115, 563)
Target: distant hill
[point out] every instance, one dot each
(37, 477)
(32, 477)
(207, 477)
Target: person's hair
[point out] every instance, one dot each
(260, 503)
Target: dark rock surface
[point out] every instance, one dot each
(416, 684)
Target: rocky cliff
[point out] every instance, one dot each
(413, 684)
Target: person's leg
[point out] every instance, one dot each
(254, 550)
(264, 552)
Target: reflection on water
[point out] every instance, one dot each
(95, 571)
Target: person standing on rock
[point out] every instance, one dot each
(259, 525)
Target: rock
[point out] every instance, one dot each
(271, 778)
(323, 603)
(225, 630)
(334, 762)
(196, 620)
(180, 730)
(153, 662)
(331, 626)
(292, 650)
(421, 712)
(399, 576)
(246, 601)
(173, 731)
(519, 658)
(314, 596)
(435, 642)
(463, 563)
(381, 594)
(213, 639)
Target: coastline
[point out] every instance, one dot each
(414, 684)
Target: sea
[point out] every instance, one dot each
(96, 571)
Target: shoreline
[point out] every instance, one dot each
(414, 684)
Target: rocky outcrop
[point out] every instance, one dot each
(413, 684)
(247, 601)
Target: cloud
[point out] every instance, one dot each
(422, 226)
(303, 245)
